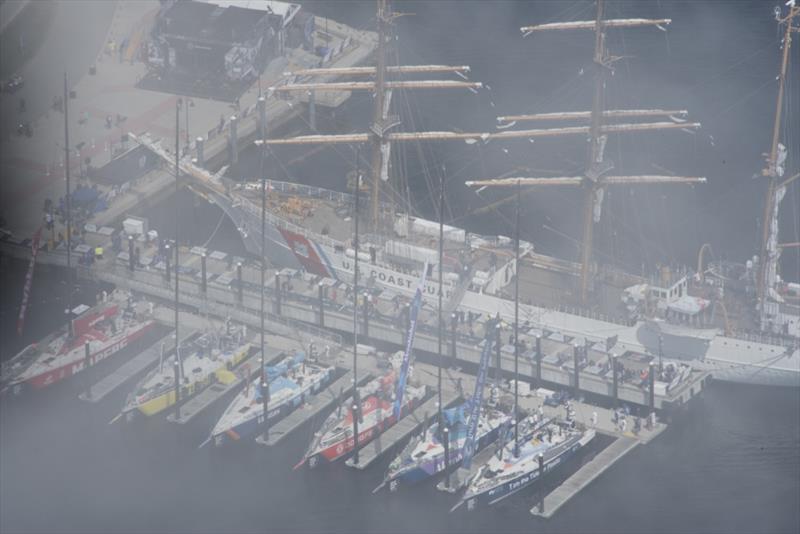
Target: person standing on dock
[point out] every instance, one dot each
(594, 419)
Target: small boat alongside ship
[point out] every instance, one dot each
(291, 382)
(546, 445)
(335, 438)
(210, 357)
(107, 328)
(424, 456)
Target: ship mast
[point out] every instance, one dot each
(773, 172)
(378, 124)
(595, 178)
(69, 209)
(593, 192)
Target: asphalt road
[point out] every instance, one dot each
(57, 36)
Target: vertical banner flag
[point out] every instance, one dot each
(477, 397)
(26, 290)
(416, 304)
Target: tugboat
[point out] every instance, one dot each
(424, 456)
(546, 445)
(210, 358)
(335, 439)
(108, 328)
(291, 382)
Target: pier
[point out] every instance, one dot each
(224, 294)
(133, 367)
(584, 476)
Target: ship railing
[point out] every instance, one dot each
(154, 284)
(591, 314)
(787, 341)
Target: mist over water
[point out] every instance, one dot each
(731, 464)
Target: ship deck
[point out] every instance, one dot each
(312, 409)
(133, 367)
(388, 440)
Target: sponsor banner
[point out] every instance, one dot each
(26, 289)
(475, 409)
(416, 304)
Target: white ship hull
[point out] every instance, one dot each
(729, 359)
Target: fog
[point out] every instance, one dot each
(728, 463)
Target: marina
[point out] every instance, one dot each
(347, 312)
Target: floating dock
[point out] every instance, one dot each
(401, 430)
(132, 368)
(320, 402)
(548, 506)
(192, 407)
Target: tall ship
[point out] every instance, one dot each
(106, 329)
(682, 314)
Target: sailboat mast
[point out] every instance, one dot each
(177, 219)
(516, 324)
(377, 128)
(355, 304)
(772, 163)
(262, 361)
(594, 150)
(69, 207)
(441, 290)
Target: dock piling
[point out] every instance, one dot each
(498, 362)
(366, 314)
(130, 253)
(538, 361)
(239, 284)
(615, 383)
(453, 338)
(201, 162)
(177, 369)
(575, 358)
(446, 431)
(234, 144)
(277, 294)
(321, 289)
(87, 362)
(167, 270)
(204, 283)
(265, 406)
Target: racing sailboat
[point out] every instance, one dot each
(291, 382)
(208, 358)
(107, 328)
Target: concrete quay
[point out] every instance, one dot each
(107, 104)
